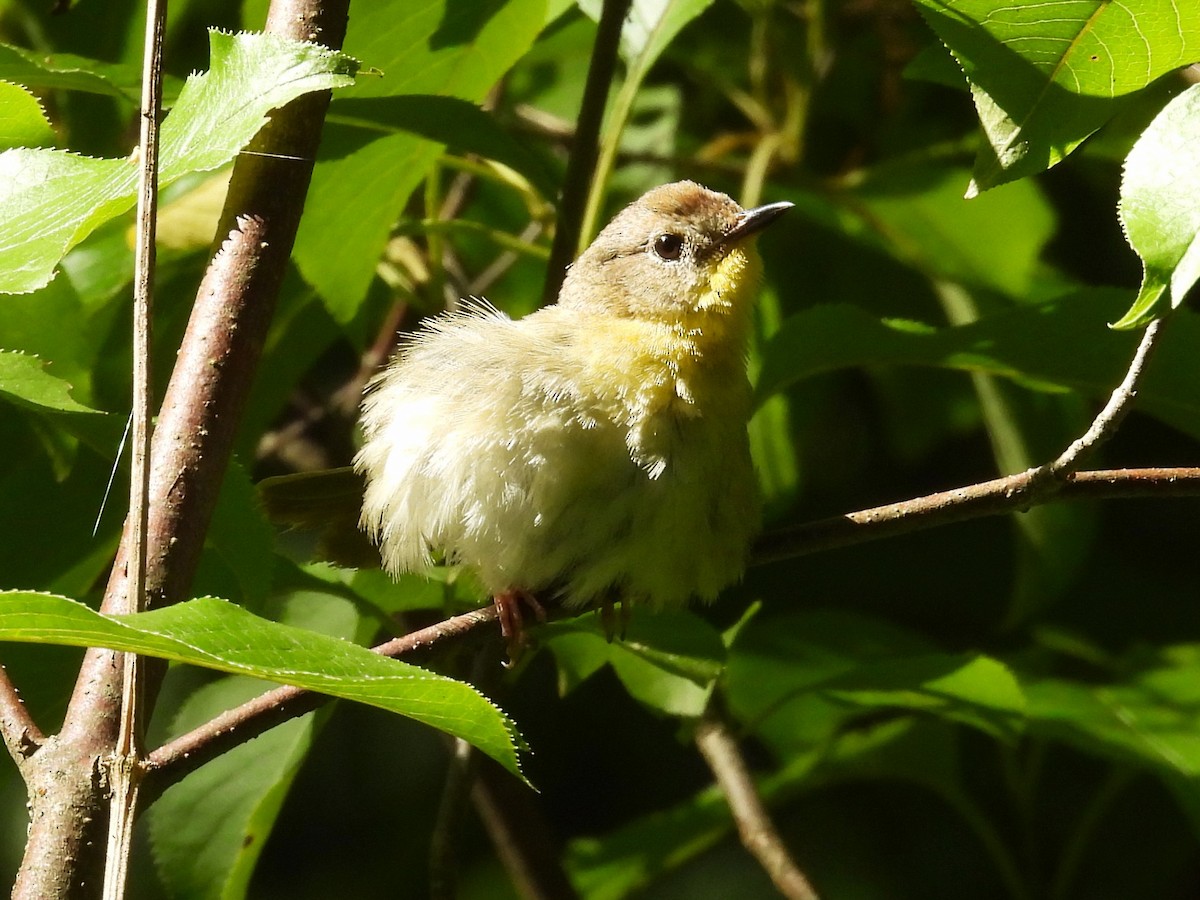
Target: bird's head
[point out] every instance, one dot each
(680, 254)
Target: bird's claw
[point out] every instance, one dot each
(512, 619)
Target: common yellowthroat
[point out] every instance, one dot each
(595, 450)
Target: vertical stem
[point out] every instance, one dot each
(443, 880)
(124, 767)
(435, 245)
(755, 827)
(578, 184)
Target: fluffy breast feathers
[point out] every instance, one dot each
(565, 452)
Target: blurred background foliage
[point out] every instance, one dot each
(1004, 708)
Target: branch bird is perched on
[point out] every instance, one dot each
(595, 450)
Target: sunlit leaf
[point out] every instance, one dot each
(22, 121)
(242, 539)
(1159, 210)
(67, 71)
(24, 378)
(1065, 343)
(217, 635)
(784, 669)
(918, 213)
(1133, 722)
(650, 26)
(50, 200)
(1045, 76)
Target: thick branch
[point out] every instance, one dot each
(191, 449)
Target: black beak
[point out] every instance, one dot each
(754, 220)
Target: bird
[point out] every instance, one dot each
(592, 452)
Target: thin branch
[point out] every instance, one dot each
(757, 831)
(1013, 493)
(124, 768)
(20, 733)
(581, 166)
(170, 762)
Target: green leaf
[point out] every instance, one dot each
(403, 593)
(787, 667)
(53, 325)
(1159, 211)
(217, 635)
(629, 861)
(51, 200)
(1135, 722)
(667, 660)
(1024, 429)
(935, 65)
(242, 539)
(458, 124)
(23, 378)
(1044, 78)
(770, 430)
(919, 213)
(360, 186)
(650, 26)
(208, 831)
(67, 71)
(1064, 343)
(777, 664)
(24, 123)
(964, 687)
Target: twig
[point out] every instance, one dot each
(124, 766)
(1105, 425)
(1001, 495)
(581, 166)
(20, 733)
(503, 262)
(754, 824)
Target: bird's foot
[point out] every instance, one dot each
(512, 619)
(614, 623)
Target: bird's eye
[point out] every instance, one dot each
(668, 246)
